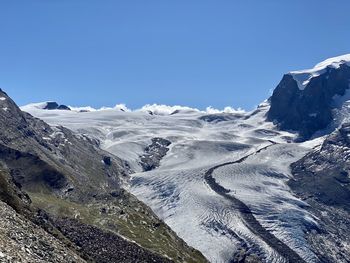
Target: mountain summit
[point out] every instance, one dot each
(305, 101)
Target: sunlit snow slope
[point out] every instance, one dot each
(177, 190)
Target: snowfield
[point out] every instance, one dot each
(177, 190)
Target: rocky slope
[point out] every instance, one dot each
(67, 176)
(324, 173)
(23, 241)
(322, 179)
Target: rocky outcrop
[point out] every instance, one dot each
(154, 153)
(310, 109)
(52, 105)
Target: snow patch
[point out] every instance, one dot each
(2, 98)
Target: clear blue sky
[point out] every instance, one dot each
(189, 52)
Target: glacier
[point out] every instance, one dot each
(177, 190)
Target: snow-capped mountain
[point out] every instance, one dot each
(310, 100)
(222, 180)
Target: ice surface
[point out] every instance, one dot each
(260, 183)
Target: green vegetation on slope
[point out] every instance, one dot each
(127, 217)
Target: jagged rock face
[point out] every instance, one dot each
(310, 109)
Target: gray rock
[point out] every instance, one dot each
(52, 105)
(154, 153)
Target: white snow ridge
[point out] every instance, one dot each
(303, 77)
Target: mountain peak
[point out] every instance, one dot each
(304, 101)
